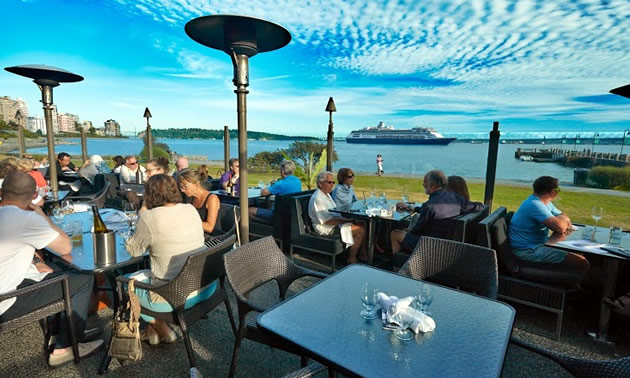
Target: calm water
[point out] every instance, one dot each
(463, 159)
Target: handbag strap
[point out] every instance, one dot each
(133, 304)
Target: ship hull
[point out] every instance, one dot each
(435, 142)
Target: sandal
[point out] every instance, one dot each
(621, 304)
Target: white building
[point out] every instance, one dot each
(36, 123)
(66, 122)
(112, 128)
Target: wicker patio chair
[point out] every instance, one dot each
(97, 198)
(304, 237)
(579, 367)
(250, 267)
(52, 308)
(308, 371)
(226, 219)
(200, 270)
(462, 266)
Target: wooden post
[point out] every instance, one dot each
(491, 166)
(226, 148)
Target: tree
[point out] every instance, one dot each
(310, 159)
(266, 160)
(92, 130)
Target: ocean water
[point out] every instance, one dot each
(463, 159)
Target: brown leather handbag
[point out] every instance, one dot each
(125, 343)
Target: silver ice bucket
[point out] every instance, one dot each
(104, 248)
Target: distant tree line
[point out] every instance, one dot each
(195, 133)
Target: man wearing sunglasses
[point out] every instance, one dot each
(132, 172)
(530, 225)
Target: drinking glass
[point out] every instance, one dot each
(597, 213)
(405, 196)
(425, 297)
(404, 321)
(615, 236)
(77, 231)
(369, 298)
(67, 207)
(261, 184)
(58, 214)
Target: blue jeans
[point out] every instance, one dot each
(146, 302)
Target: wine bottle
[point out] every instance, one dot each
(99, 225)
(230, 187)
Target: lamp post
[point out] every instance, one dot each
(594, 141)
(84, 150)
(147, 115)
(623, 141)
(20, 133)
(330, 108)
(226, 148)
(46, 78)
(241, 38)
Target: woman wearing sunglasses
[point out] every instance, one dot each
(343, 194)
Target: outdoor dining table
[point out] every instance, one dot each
(49, 199)
(253, 195)
(136, 188)
(470, 339)
(611, 267)
(358, 210)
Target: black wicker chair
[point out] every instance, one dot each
(250, 267)
(581, 368)
(308, 371)
(52, 308)
(459, 265)
(226, 220)
(97, 199)
(200, 270)
(303, 237)
(280, 226)
(537, 285)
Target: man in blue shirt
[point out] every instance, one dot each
(530, 225)
(287, 184)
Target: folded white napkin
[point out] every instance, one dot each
(418, 322)
(80, 207)
(116, 217)
(346, 234)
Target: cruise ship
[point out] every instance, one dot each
(382, 134)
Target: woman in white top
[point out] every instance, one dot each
(170, 230)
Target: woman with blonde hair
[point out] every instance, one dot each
(206, 203)
(170, 230)
(28, 166)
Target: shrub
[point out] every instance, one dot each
(157, 152)
(609, 177)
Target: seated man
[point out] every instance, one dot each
(181, 165)
(231, 177)
(65, 169)
(286, 185)
(324, 222)
(435, 215)
(529, 229)
(132, 173)
(26, 228)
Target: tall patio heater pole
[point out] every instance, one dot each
(46, 78)
(330, 108)
(84, 150)
(20, 133)
(147, 115)
(491, 166)
(226, 148)
(241, 38)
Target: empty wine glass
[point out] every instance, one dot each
(425, 297)
(403, 319)
(597, 213)
(58, 214)
(405, 196)
(369, 298)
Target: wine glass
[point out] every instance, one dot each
(425, 297)
(403, 319)
(58, 214)
(67, 207)
(597, 213)
(261, 184)
(369, 298)
(405, 196)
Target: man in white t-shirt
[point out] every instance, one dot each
(132, 172)
(26, 228)
(324, 222)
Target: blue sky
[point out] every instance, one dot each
(534, 66)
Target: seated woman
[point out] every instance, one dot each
(203, 173)
(157, 166)
(170, 230)
(206, 203)
(457, 184)
(28, 166)
(343, 194)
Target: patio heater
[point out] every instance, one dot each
(46, 78)
(491, 165)
(147, 115)
(625, 92)
(330, 108)
(226, 148)
(20, 132)
(241, 38)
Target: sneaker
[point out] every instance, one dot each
(85, 350)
